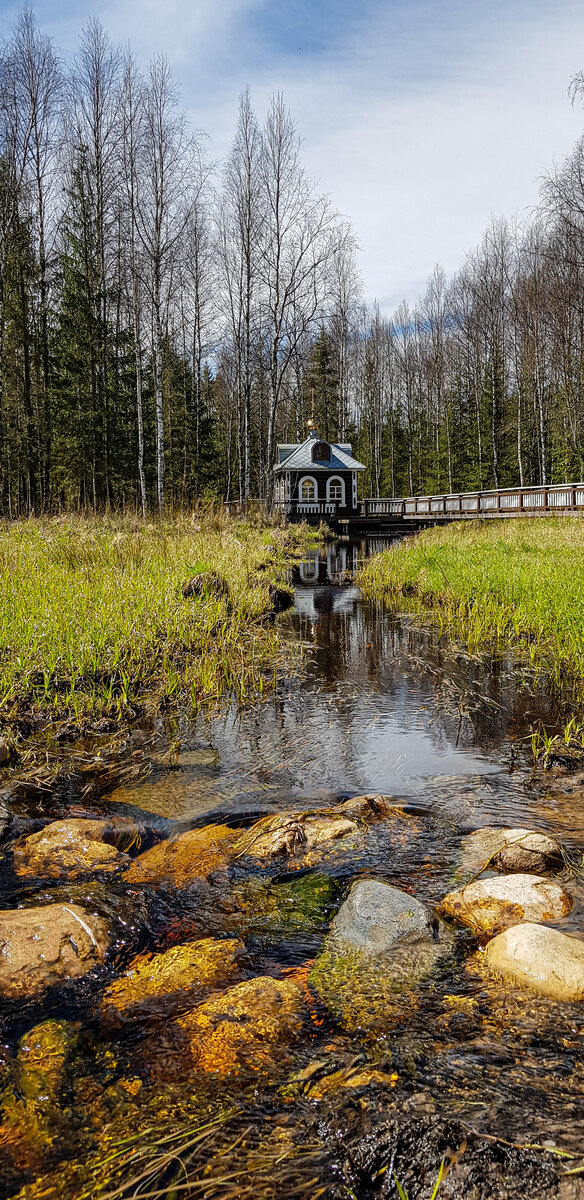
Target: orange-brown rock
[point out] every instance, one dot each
(180, 972)
(489, 905)
(182, 860)
(68, 850)
(240, 1028)
(40, 947)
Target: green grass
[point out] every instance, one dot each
(92, 620)
(513, 584)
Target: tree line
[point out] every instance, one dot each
(164, 320)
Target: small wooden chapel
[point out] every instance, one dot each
(315, 479)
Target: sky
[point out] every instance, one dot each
(422, 120)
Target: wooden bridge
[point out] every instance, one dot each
(376, 512)
(564, 499)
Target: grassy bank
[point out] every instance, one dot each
(513, 584)
(93, 622)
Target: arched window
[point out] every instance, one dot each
(321, 452)
(335, 490)
(307, 490)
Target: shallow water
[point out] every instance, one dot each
(378, 703)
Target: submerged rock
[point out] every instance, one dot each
(32, 1115)
(489, 905)
(240, 1028)
(179, 973)
(263, 907)
(40, 947)
(43, 1055)
(381, 944)
(511, 850)
(68, 850)
(374, 808)
(539, 958)
(182, 860)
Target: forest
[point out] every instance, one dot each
(165, 320)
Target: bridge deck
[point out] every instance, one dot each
(558, 499)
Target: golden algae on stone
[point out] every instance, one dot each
(180, 861)
(180, 970)
(32, 1118)
(489, 905)
(241, 1027)
(68, 850)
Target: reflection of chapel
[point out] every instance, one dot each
(316, 479)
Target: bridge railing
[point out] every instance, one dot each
(511, 502)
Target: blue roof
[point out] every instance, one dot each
(300, 458)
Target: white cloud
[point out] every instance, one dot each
(420, 120)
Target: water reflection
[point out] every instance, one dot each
(380, 703)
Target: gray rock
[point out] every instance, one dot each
(375, 917)
(382, 944)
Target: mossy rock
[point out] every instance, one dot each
(365, 991)
(265, 907)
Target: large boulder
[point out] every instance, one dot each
(185, 859)
(382, 944)
(178, 974)
(489, 905)
(40, 947)
(510, 850)
(240, 1028)
(376, 917)
(69, 849)
(539, 958)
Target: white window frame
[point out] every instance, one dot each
(336, 479)
(307, 499)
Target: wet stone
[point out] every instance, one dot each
(489, 905)
(179, 973)
(69, 849)
(302, 836)
(240, 1028)
(376, 916)
(382, 944)
(40, 947)
(183, 860)
(541, 959)
(523, 850)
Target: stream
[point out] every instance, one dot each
(373, 703)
